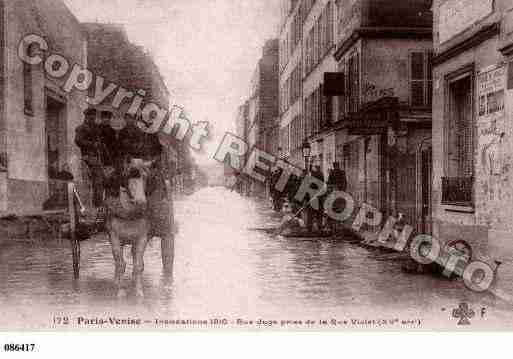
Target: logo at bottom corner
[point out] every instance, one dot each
(464, 314)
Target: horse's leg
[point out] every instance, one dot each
(119, 261)
(138, 249)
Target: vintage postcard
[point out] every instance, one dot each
(275, 165)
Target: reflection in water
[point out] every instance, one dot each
(224, 269)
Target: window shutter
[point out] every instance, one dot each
(429, 76)
(417, 93)
(417, 79)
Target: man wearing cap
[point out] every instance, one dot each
(110, 150)
(88, 139)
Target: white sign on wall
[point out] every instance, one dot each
(491, 87)
(491, 84)
(458, 15)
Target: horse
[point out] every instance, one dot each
(127, 220)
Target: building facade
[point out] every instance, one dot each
(37, 117)
(307, 48)
(318, 58)
(263, 106)
(472, 131)
(291, 82)
(374, 116)
(382, 127)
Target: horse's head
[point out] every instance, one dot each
(137, 175)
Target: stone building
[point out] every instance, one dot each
(37, 117)
(263, 104)
(307, 46)
(318, 35)
(291, 82)
(472, 128)
(355, 84)
(382, 118)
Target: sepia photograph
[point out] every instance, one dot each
(256, 165)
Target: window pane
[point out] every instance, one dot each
(429, 65)
(417, 66)
(417, 93)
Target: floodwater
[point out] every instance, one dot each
(225, 270)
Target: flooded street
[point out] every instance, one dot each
(225, 270)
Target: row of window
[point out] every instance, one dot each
(290, 92)
(420, 81)
(351, 68)
(318, 108)
(293, 135)
(297, 133)
(291, 40)
(320, 39)
(314, 112)
(421, 78)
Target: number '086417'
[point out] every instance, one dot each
(19, 347)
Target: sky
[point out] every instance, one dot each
(207, 50)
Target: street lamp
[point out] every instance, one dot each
(306, 152)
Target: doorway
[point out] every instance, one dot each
(56, 145)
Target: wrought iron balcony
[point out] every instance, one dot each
(457, 191)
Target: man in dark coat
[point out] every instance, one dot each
(88, 139)
(110, 149)
(276, 195)
(317, 215)
(337, 181)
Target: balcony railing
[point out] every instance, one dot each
(457, 191)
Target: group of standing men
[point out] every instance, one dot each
(105, 150)
(336, 182)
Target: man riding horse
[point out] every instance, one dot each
(107, 153)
